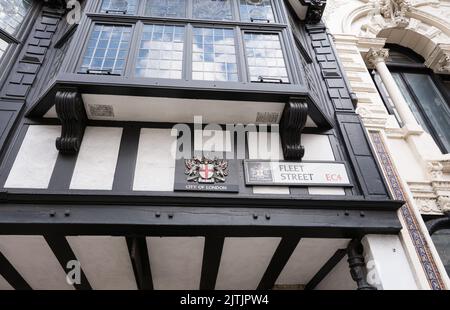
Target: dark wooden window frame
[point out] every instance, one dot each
(418, 68)
(280, 27)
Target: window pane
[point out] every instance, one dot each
(398, 57)
(390, 106)
(166, 8)
(3, 47)
(410, 101)
(213, 9)
(447, 87)
(107, 49)
(119, 6)
(265, 58)
(441, 240)
(253, 11)
(433, 104)
(12, 13)
(161, 52)
(214, 55)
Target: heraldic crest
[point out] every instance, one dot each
(205, 170)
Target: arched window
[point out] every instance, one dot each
(440, 234)
(426, 93)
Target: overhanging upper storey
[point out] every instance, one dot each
(233, 61)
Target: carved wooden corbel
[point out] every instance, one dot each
(292, 124)
(315, 11)
(357, 265)
(310, 11)
(70, 110)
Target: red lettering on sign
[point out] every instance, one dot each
(333, 177)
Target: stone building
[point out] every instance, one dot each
(396, 56)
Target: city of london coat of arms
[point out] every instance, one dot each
(204, 170)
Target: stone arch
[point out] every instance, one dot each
(404, 24)
(410, 38)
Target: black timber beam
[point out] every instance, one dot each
(325, 270)
(211, 261)
(93, 197)
(126, 220)
(279, 259)
(63, 252)
(126, 161)
(137, 248)
(11, 275)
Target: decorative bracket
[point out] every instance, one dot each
(310, 11)
(357, 265)
(70, 110)
(292, 124)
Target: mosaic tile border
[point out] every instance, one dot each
(423, 251)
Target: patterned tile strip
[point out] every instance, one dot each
(423, 251)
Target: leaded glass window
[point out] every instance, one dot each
(265, 58)
(12, 13)
(107, 49)
(119, 6)
(166, 8)
(3, 47)
(160, 52)
(214, 55)
(213, 9)
(256, 11)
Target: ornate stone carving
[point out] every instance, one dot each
(443, 63)
(357, 265)
(375, 55)
(70, 110)
(396, 10)
(427, 206)
(435, 169)
(292, 124)
(444, 203)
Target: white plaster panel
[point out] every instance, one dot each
(339, 278)
(176, 262)
(308, 257)
(51, 113)
(318, 147)
(212, 141)
(34, 260)
(97, 159)
(155, 164)
(4, 285)
(266, 146)
(33, 166)
(244, 261)
(331, 191)
(105, 261)
(151, 109)
(386, 257)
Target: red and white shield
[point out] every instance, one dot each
(206, 171)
